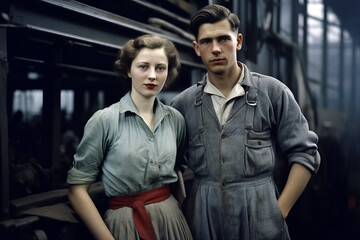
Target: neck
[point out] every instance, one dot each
(226, 81)
(145, 108)
(142, 104)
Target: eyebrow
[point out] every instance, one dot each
(148, 63)
(217, 37)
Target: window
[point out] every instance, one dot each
(333, 54)
(316, 9)
(314, 51)
(332, 18)
(301, 30)
(28, 102)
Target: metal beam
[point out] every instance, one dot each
(86, 22)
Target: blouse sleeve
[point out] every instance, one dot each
(181, 142)
(90, 152)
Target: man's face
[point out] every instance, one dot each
(217, 45)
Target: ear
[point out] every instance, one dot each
(239, 40)
(196, 48)
(129, 74)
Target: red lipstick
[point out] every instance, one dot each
(150, 86)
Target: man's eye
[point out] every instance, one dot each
(205, 42)
(223, 39)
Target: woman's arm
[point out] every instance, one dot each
(178, 188)
(86, 209)
(298, 178)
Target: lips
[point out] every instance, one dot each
(150, 86)
(217, 60)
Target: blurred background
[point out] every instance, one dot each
(56, 70)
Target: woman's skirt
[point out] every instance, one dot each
(166, 216)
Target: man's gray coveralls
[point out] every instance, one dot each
(234, 194)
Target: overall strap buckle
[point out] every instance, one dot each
(251, 98)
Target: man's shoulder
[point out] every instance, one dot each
(259, 80)
(188, 93)
(173, 112)
(185, 99)
(266, 83)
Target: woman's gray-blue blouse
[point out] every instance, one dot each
(131, 157)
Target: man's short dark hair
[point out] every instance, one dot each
(212, 14)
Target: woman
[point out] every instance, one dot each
(135, 144)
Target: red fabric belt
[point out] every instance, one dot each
(137, 202)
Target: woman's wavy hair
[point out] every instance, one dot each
(132, 48)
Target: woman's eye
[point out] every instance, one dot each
(161, 68)
(143, 67)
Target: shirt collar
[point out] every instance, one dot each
(127, 105)
(237, 90)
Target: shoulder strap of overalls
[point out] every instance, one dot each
(198, 103)
(251, 102)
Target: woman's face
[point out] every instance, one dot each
(148, 72)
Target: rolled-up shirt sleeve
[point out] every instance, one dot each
(90, 152)
(293, 135)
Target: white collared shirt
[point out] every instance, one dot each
(222, 104)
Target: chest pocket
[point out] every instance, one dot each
(259, 154)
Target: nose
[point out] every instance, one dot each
(215, 47)
(152, 74)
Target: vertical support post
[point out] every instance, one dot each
(295, 21)
(353, 105)
(305, 35)
(4, 139)
(52, 109)
(341, 72)
(52, 119)
(324, 81)
(239, 8)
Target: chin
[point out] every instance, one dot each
(150, 95)
(217, 69)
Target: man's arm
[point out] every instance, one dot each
(297, 180)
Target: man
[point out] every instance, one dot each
(236, 119)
